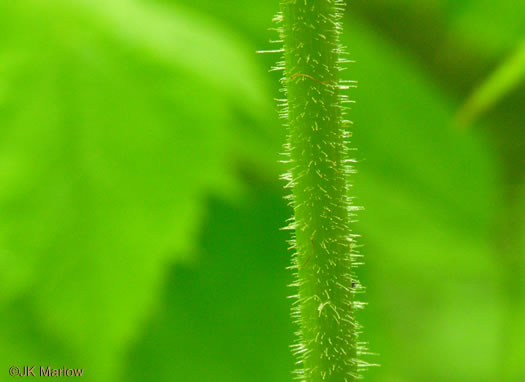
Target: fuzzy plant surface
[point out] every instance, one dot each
(325, 256)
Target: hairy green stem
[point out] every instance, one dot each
(327, 348)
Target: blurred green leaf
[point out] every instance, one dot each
(226, 317)
(429, 198)
(480, 26)
(502, 81)
(487, 25)
(118, 119)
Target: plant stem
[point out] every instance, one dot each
(327, 348)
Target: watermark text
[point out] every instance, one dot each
(44, 371)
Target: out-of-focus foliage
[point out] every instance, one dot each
(118, 119)
(139, 206)
(503, 81)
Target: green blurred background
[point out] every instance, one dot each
(140, 204)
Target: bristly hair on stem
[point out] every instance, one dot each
(319, 168)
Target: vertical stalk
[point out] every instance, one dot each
(327, 348)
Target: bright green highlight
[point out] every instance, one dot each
(507, 77)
